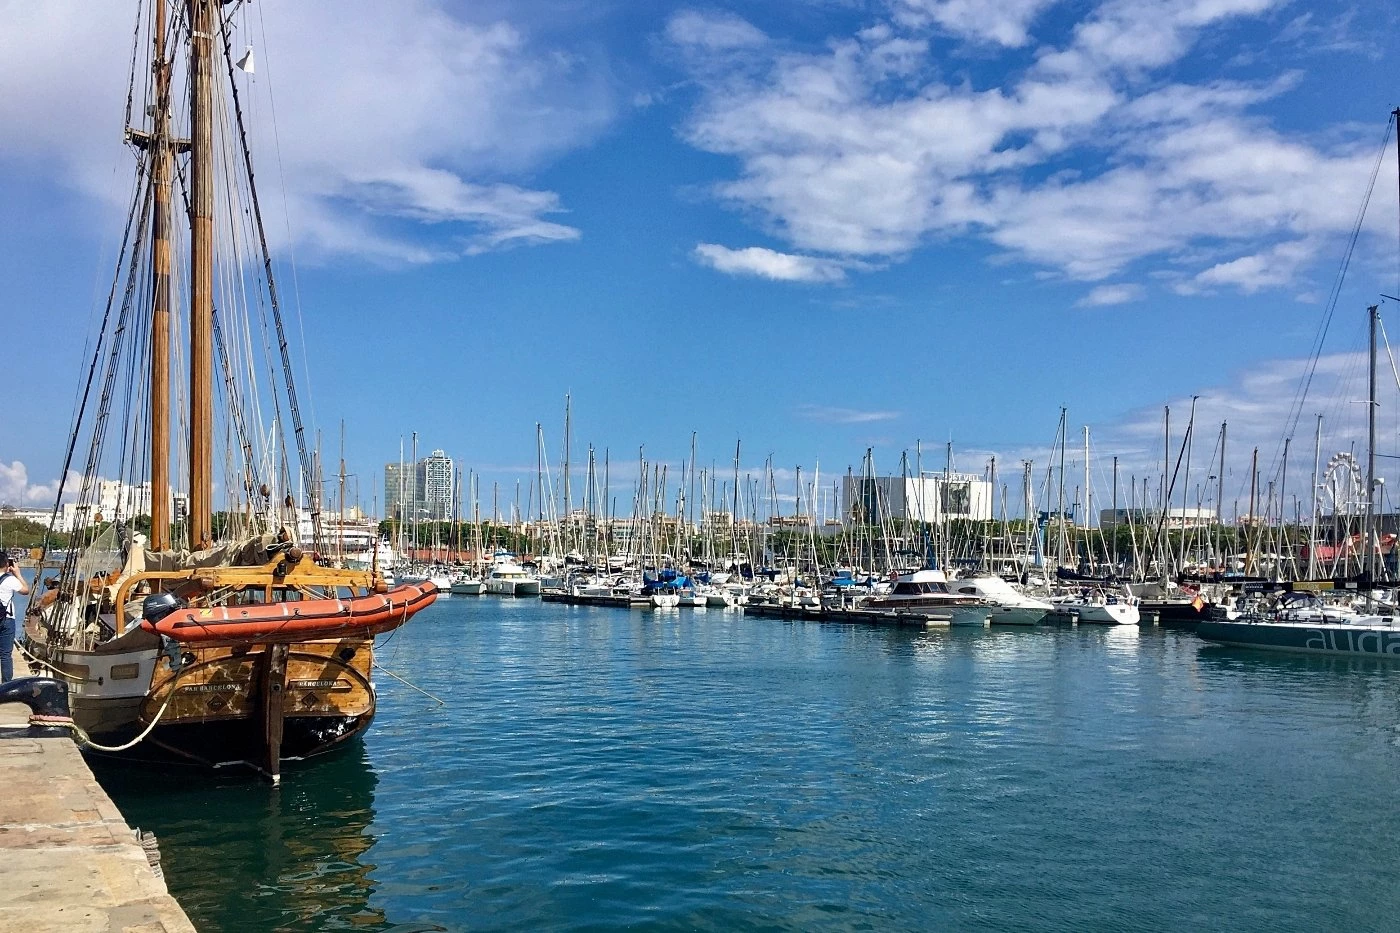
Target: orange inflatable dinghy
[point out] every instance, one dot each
(297, 620)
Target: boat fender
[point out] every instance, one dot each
(47, 700)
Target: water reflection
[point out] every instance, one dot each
(1236, 659)
(301, 851)
(598, 769)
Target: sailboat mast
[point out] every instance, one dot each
(1371, 543)
(1282, 546)
(1163, 533)
(1114, 513)
(1220, 499)
(1189, 441)
(1312, 529)
(1030, 522)
(202, 26)
(1060, 504)
(568, 435)
(340, 537)
(161, 171)
(1253, 506)
(1088, 498)
(690, 502)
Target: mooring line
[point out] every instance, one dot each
(438, 700)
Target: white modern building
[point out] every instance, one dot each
(25, 514)
(1188, 517)
(931, 498)
(113, 499)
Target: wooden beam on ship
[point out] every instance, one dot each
(272, 694)
(202, 26)
(161, 165)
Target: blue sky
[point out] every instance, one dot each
(816, 226)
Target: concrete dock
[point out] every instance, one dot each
(68, 861)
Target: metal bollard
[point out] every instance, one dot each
(47, 700)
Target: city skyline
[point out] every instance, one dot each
(816, 228)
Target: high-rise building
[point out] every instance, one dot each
(421, 491)
(435, 479)
(400, 490)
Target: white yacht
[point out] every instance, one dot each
(466, 585)
(724, 596)
(1098, 607)
(508, 578)
(1012, 606)
(665, 598)
(927, 591)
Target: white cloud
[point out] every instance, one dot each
(836, 415)
(1004, 23)
(1260, 403)
(1104, 295)
(403, 111)
(713, 31)
(16, 490)
(1272, 268)
(1075, 164)
(768, 264)
(14, 481)
(1133, 35)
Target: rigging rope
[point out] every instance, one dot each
(311, 481)
(1301, 394)
(81, 408)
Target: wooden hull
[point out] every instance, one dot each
(216, 704)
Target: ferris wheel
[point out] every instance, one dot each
(1343, 487)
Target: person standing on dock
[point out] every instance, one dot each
(11, 583)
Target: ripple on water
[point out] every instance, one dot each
(597, 769)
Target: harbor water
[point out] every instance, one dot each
(597, 769)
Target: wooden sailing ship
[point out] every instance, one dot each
(211, 637)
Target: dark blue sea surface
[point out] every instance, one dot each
(596, 769)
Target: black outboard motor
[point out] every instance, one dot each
(159, 605)
(47, 700)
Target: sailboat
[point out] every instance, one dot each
(1308, 625)
(213, 638)
(1299, 621)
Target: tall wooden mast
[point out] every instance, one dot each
(161, 171)
(202, 18)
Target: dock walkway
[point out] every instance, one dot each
(68, 861)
